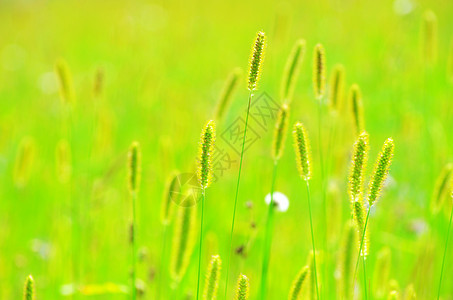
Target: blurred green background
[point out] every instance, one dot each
(163, 65)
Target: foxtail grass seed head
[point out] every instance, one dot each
(256, 60)
(173, 194)
(63, 161)
(281, 127)
(134, 167)
(355, 100)
(312, 281)
(65, 80)
(382, 272)
(336, 88)
(298, 283)
(409, 293)
(23, 164)
(228, 93)
(348, 253)
(359, 217)
(292, 71)
(319, 72)
(430, 37)
(205, 153)
(443, 188)
(29, 288)
(381, 170)
(302, 149)
(212, 278)
(183, 239)
(242, 289)
(359, 161)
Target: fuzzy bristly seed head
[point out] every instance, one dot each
(359, 216)
(242, 289)
(281, 127)
(381, 170)
(355, 100)
(64, 77)
(443, 188)
(134, 167)
(298, 283)
(173, 193)
(212, 278)
(430, 36)
(336, 89)
(205, 154)
(319, 72)
(256, 60)
(227, 93)
(29, 288)
(302, 149)
(292, 70)
(23, 164)
(183, 239)
(359, 161)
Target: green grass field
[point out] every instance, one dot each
(153, 72)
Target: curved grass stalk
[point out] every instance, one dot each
(445, 253)
(312, 239)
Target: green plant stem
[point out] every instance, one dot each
(236, 197)
(268, 237)
(361, 245)
(203, 196)
(445, 253)
(364, 278)
(134, 291)
(163, 262)
(312, 238)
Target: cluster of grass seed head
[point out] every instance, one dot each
(256, 60)
(134, 167)
(359, 161)
(381, 170)
(319, 72)
(173, 194)
(292, 70)
(64, 77)
(205, 154)
(430, 36)
(355, 100)
(299, 283)
(29, 288)
(302, 149)
(183, 239)
(242, 289)
(228, 92)
(281, 127)
(346, 260)
(336, 92)
(212, 278)
(443, 188)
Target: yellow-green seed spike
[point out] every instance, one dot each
(382, 272)
(359, 217)
(312, 283)
(358, 167)
(227, 93)
(409, 293)
(256, 60)
(336, 88)
(292, 71)
(355, 100)
(430, 37)
(281, 127)
(393, 295)
(183, 239)
(65, 80)
(450, 63)
(348, 252)
(242, 289)
(302, 149)
(63, 161)
(205, 153)
(298, 283)
(319, 72)
(443, 188)
(29, 288)
(381, 170)
(212, 278)
(173, 194)
(134, 167)
(23, 164)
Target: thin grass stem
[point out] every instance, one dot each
(445, 253)
(203, 196)
(312, 238)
